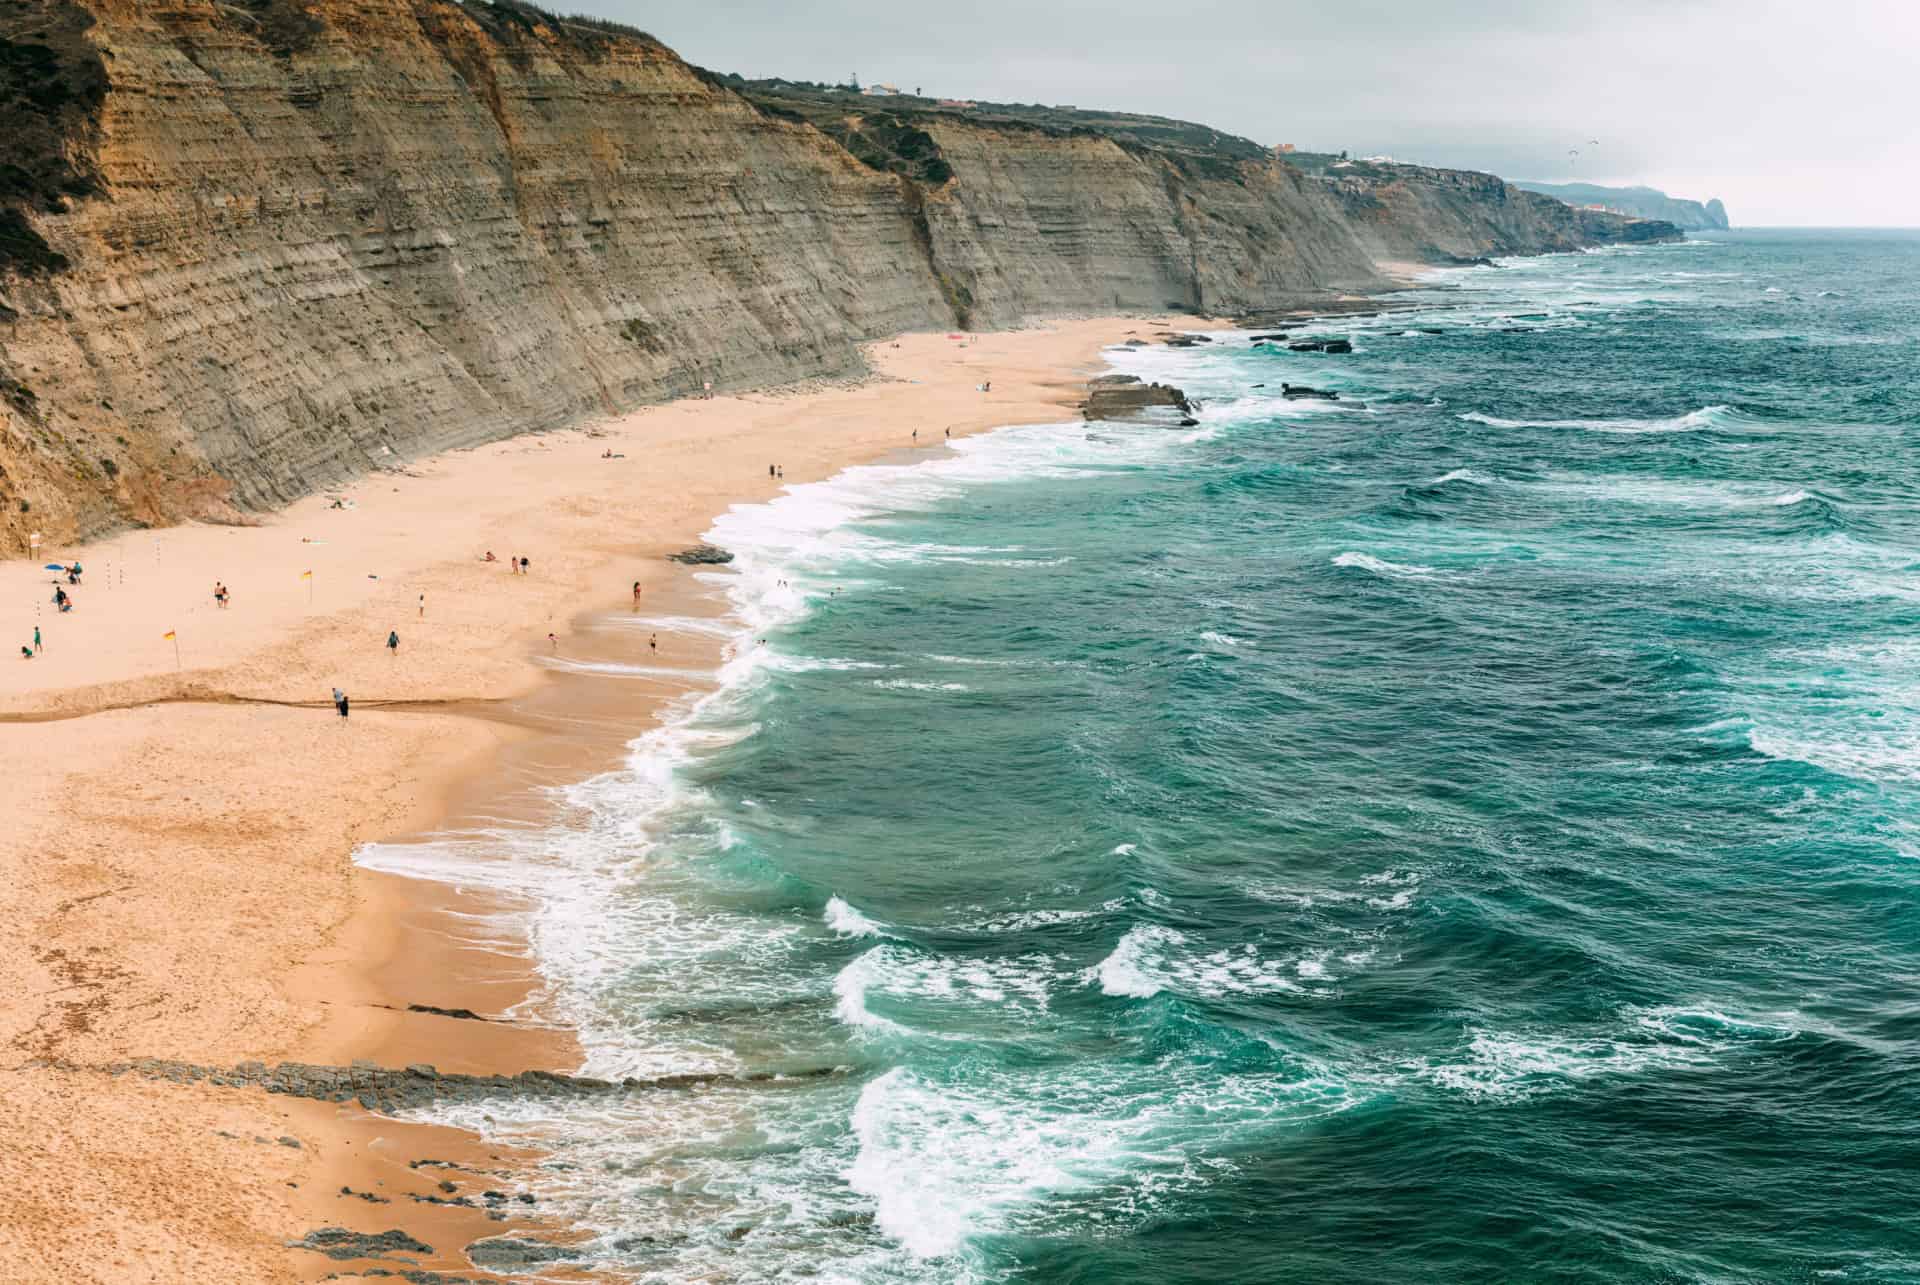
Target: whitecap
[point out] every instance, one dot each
(1705, 417)
(1381, 567)
(1129, 969)
(1219, 639)
(848, 922)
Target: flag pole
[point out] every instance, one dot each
(176, 653)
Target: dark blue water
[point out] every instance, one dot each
(1475, 836)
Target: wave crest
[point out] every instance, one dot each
(1706, 417)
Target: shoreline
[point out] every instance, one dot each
(330, 983)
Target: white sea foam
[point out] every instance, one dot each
(1151, 958)
(1219, 639)
(909, 685)
(1129, 969)
(1381, 567)
(946, 1162)
(848, 922)
(1705, 417)
(1791, 497)
(1649, 1040)
(1462, 475)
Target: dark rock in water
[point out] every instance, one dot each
(1293, 392)
(1136, 343)
(1432, 330)
(1337, 345)
(701, 555)
(1189, 422)
(1280, 337)
(1125, 397)
(507, 1253)
(1259, 385)
(1183, 342)
(1463, 261)
(340, 1244)
(1308, 345)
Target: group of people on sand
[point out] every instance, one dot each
(517, 565)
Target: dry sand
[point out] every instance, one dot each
(176, 842)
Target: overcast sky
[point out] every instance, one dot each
(1799, 112)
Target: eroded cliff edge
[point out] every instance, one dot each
(252, 248)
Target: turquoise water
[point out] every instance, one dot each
(1472, 837)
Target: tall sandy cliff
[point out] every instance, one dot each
(251, 248)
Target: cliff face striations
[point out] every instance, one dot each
(251, 248)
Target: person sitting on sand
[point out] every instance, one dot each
(74, 573)
(60, 598)
(26, 653)
(490, 557)
(393, 642)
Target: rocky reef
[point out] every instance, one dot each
(251, 248)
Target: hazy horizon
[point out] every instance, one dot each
(1699, 98)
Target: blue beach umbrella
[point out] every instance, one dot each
(55, 566)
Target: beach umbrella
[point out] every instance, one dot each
(55, 566)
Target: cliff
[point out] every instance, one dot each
(1640, 202)
(254, 248)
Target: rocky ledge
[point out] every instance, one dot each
(1125, 397)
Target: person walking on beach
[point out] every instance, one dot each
(771, 471)
(636, 595)
(36, 640)
(393, 642)
(523, 566)
(340, 702)
(653, 642)
(423, 606)
(553, 643)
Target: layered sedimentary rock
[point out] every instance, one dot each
(1412, 213)
(250, 248)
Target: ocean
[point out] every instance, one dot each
(1472, 835)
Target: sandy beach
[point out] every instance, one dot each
(179, 825)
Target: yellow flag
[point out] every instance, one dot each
(306, 575)
(168, 635)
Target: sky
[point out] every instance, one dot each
(1793, 112)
